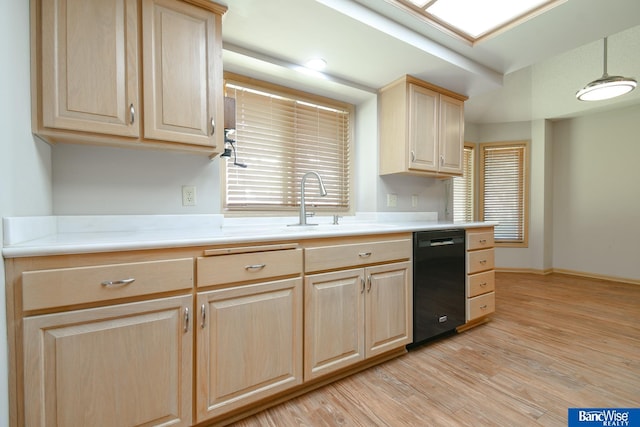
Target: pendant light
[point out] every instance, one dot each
(606, 86)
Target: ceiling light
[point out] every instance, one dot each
(317, 64)
(607, 86)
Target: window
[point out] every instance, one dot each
(474, 20)
(463, 188)
(280, 135)
(504, 190)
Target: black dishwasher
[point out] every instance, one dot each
(438, 283)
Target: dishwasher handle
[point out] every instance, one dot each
(441, 243)
(444, 241)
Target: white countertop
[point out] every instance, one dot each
(59, 235)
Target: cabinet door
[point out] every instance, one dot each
(90, 65)
(182, 73)
(334, 321)
(423, 128)
(249, 344)
(389, 307)
(451, 135)
(123, 365)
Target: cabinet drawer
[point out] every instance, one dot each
(480, 261)
(70, 286)
(351, 255)
(481, 283)
(481, 306)
(224, 269)
(479, 239)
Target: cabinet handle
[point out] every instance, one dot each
(362, 281)
(186, 319)
(132, 114)
(364, 254)
(116, 283)
(203, 308)
(441, 160)
(483, 261)
(213, 127)
(483, 307)
(483, 284)
(413, 156)
(254, 267)
(369, 283)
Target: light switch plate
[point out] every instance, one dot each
(392, 200)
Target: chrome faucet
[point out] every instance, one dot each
(323, 192)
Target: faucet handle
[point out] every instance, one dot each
(310, 214)
(336, 218)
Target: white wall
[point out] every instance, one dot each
(597, 194)
(106, 180)
(25, 183)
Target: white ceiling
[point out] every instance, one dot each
(529, 72)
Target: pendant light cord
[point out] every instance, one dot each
(605, 59)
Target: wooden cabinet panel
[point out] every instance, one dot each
(225, 269)
(90, 65)
(480, 239)
(124, 365)
(481, 305)
(389, 307)
(181, 67)
(334, 321)
(141, 73)
(354, 314)
(249, 344)
(80, 285)
(423, 128)
(355, 254)
(451, 136)
(480, 261)
(480, 287)
(481, 283)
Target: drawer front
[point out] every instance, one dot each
(481, 306)
(351, 255)
(478, 261)
(224, 269)
(480, 239)
(481, 283)
(80, 285)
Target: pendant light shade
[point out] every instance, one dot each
(607, 86)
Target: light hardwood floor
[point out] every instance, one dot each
(555, 342)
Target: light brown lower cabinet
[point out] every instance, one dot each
(249, 344)
(122, 365)
(351, 315)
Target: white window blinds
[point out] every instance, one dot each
(503, 183)
(281, 135)
(463, 188)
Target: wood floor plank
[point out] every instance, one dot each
(555, 342)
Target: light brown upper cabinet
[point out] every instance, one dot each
(128, 73)
(421, 129)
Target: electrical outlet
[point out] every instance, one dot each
(188, 195)
(392, 200)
